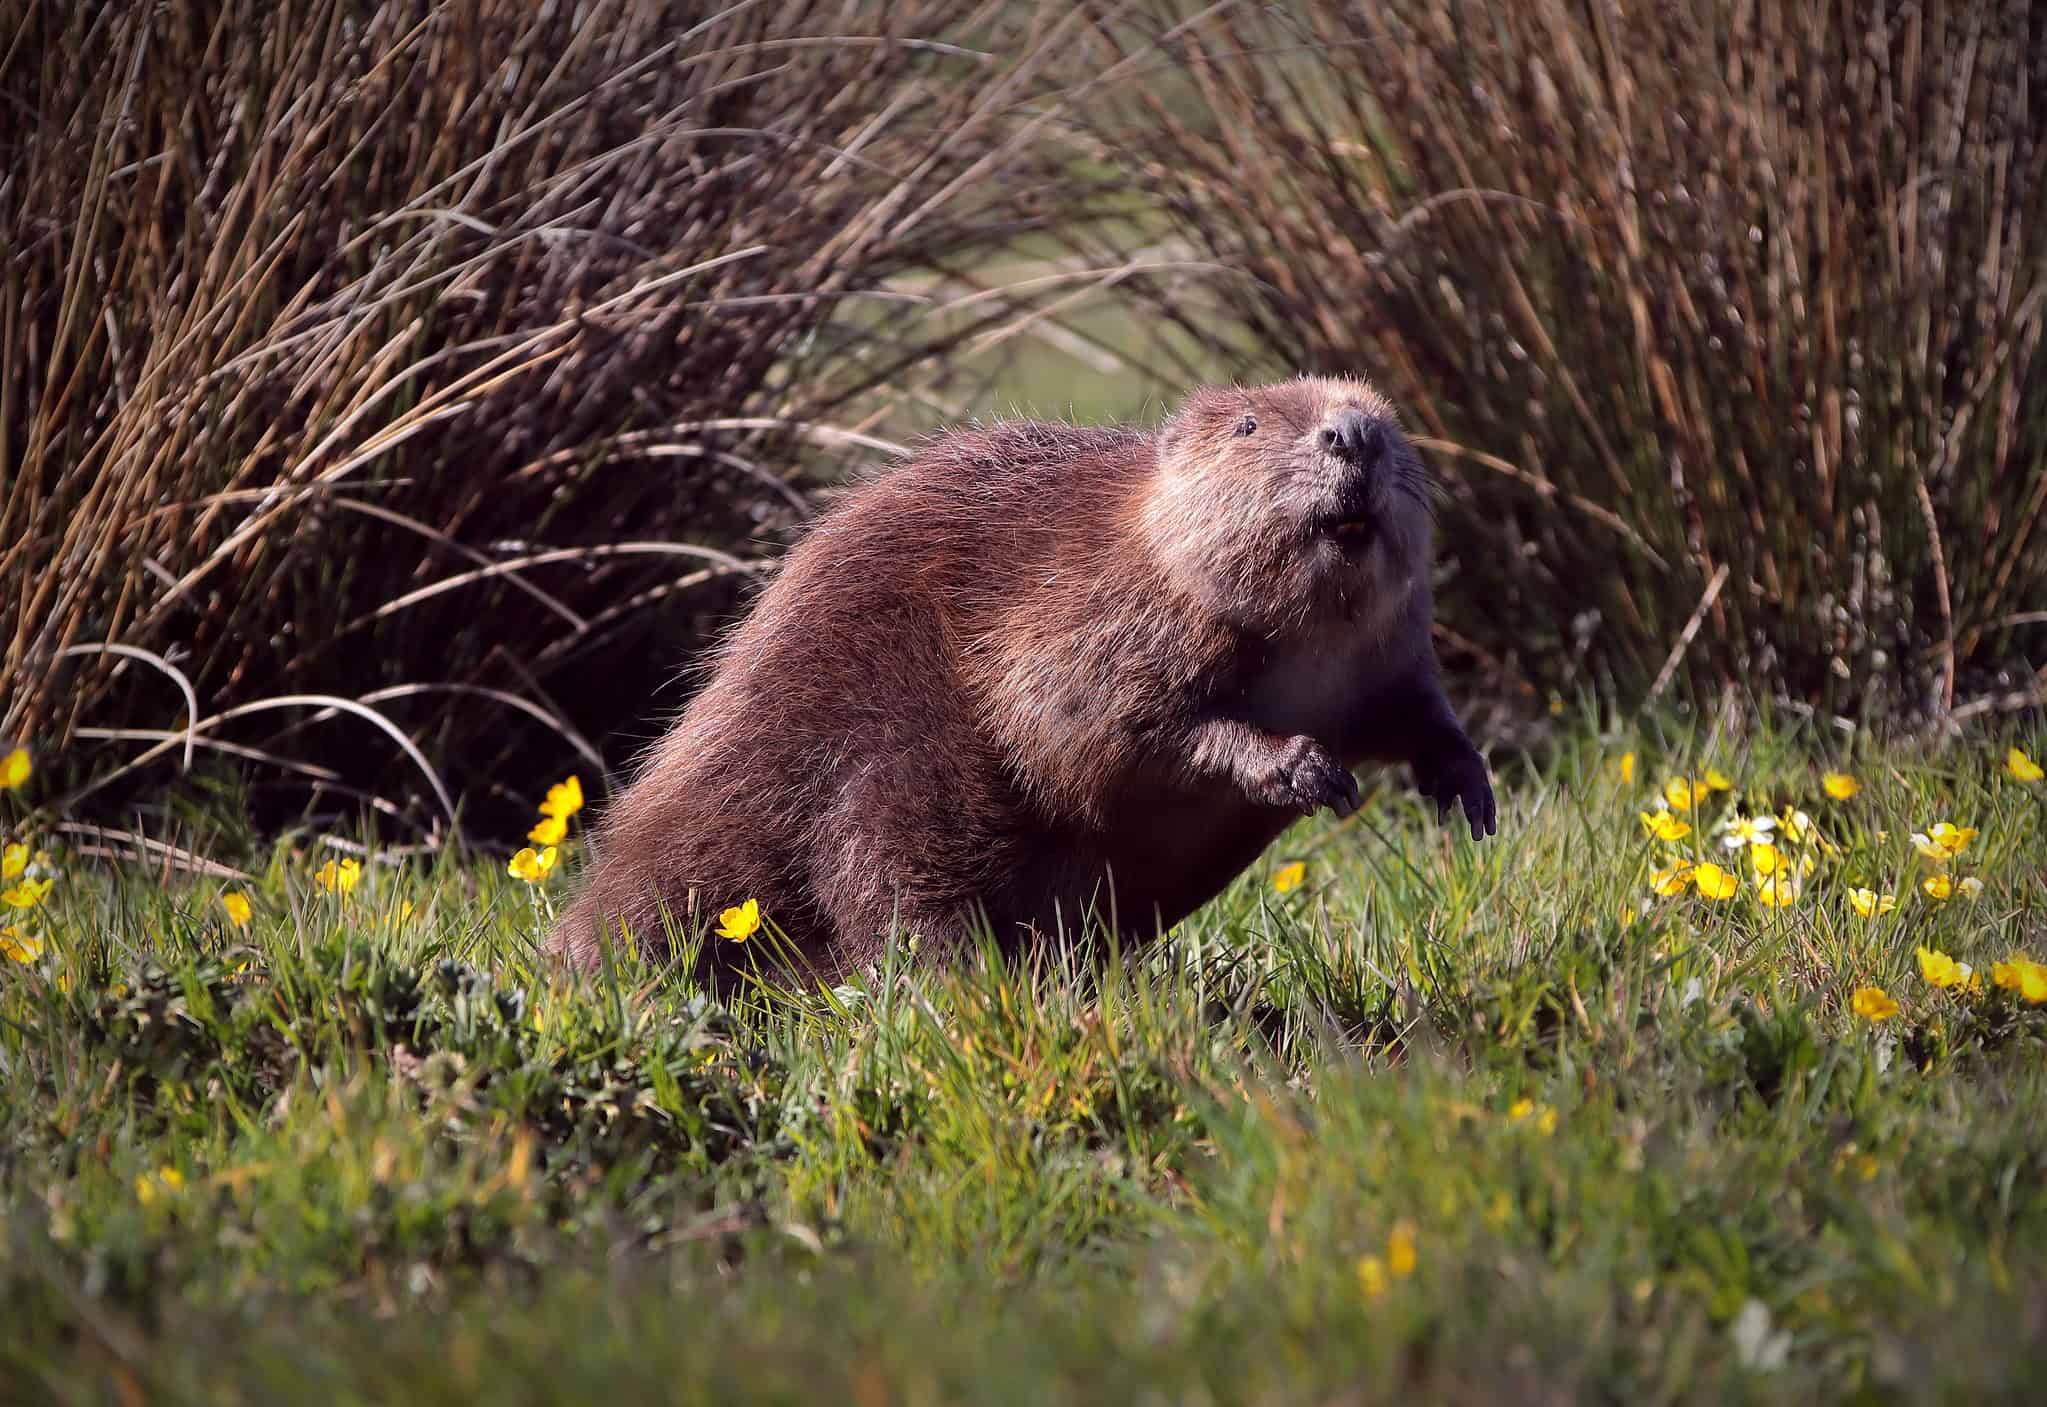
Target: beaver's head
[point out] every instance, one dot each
(1286, 504)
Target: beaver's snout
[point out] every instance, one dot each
(1364, 445)
(1359, 440)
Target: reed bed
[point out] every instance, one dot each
(392, 391)
(1721, 320)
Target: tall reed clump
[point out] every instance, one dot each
(1722, 321)
(451, 360)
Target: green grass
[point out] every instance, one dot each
(1642, 1148)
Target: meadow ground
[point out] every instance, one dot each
(1396, 1118)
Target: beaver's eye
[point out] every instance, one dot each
(1247, 425)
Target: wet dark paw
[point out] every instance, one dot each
(1459, 778)
(1307, 778)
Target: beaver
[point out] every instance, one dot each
(1038, 673)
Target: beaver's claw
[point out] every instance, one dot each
(1460, 776)
(1308, 777)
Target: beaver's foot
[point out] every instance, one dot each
(1459, 775)
(1306, 776)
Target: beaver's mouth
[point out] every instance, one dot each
(1352, 530)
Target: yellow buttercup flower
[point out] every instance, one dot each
(1952, 838)
(1943, 841)
(2022, 767)
(1714, 882)
(1795, 825)
(564, 799)
(1627, 768)
(163, 1182)
(548, 830)
(1870, 904)
(339, 876)
(13, 860)
(27, 894)
(2033, 983)
(238, 907)
(1940, 970)
(1937, 886)
(1767, 859)
(1401, 1255)
(532, 865)
(741, 922)
(1664, 826)
(1683, 794)
(1778, 891)
(1717, 780)
(21, 947)
(1371, 1276)
(1873, 1004)
(15, 769)
(1289, 877)
(1671, 880)
(2022, 975)
(1540, 1117)
(1839, 785)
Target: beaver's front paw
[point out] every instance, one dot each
(1459, 775)
(1307, 777)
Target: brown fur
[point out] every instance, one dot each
(1037, 670)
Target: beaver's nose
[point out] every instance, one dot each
(1356, 438)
